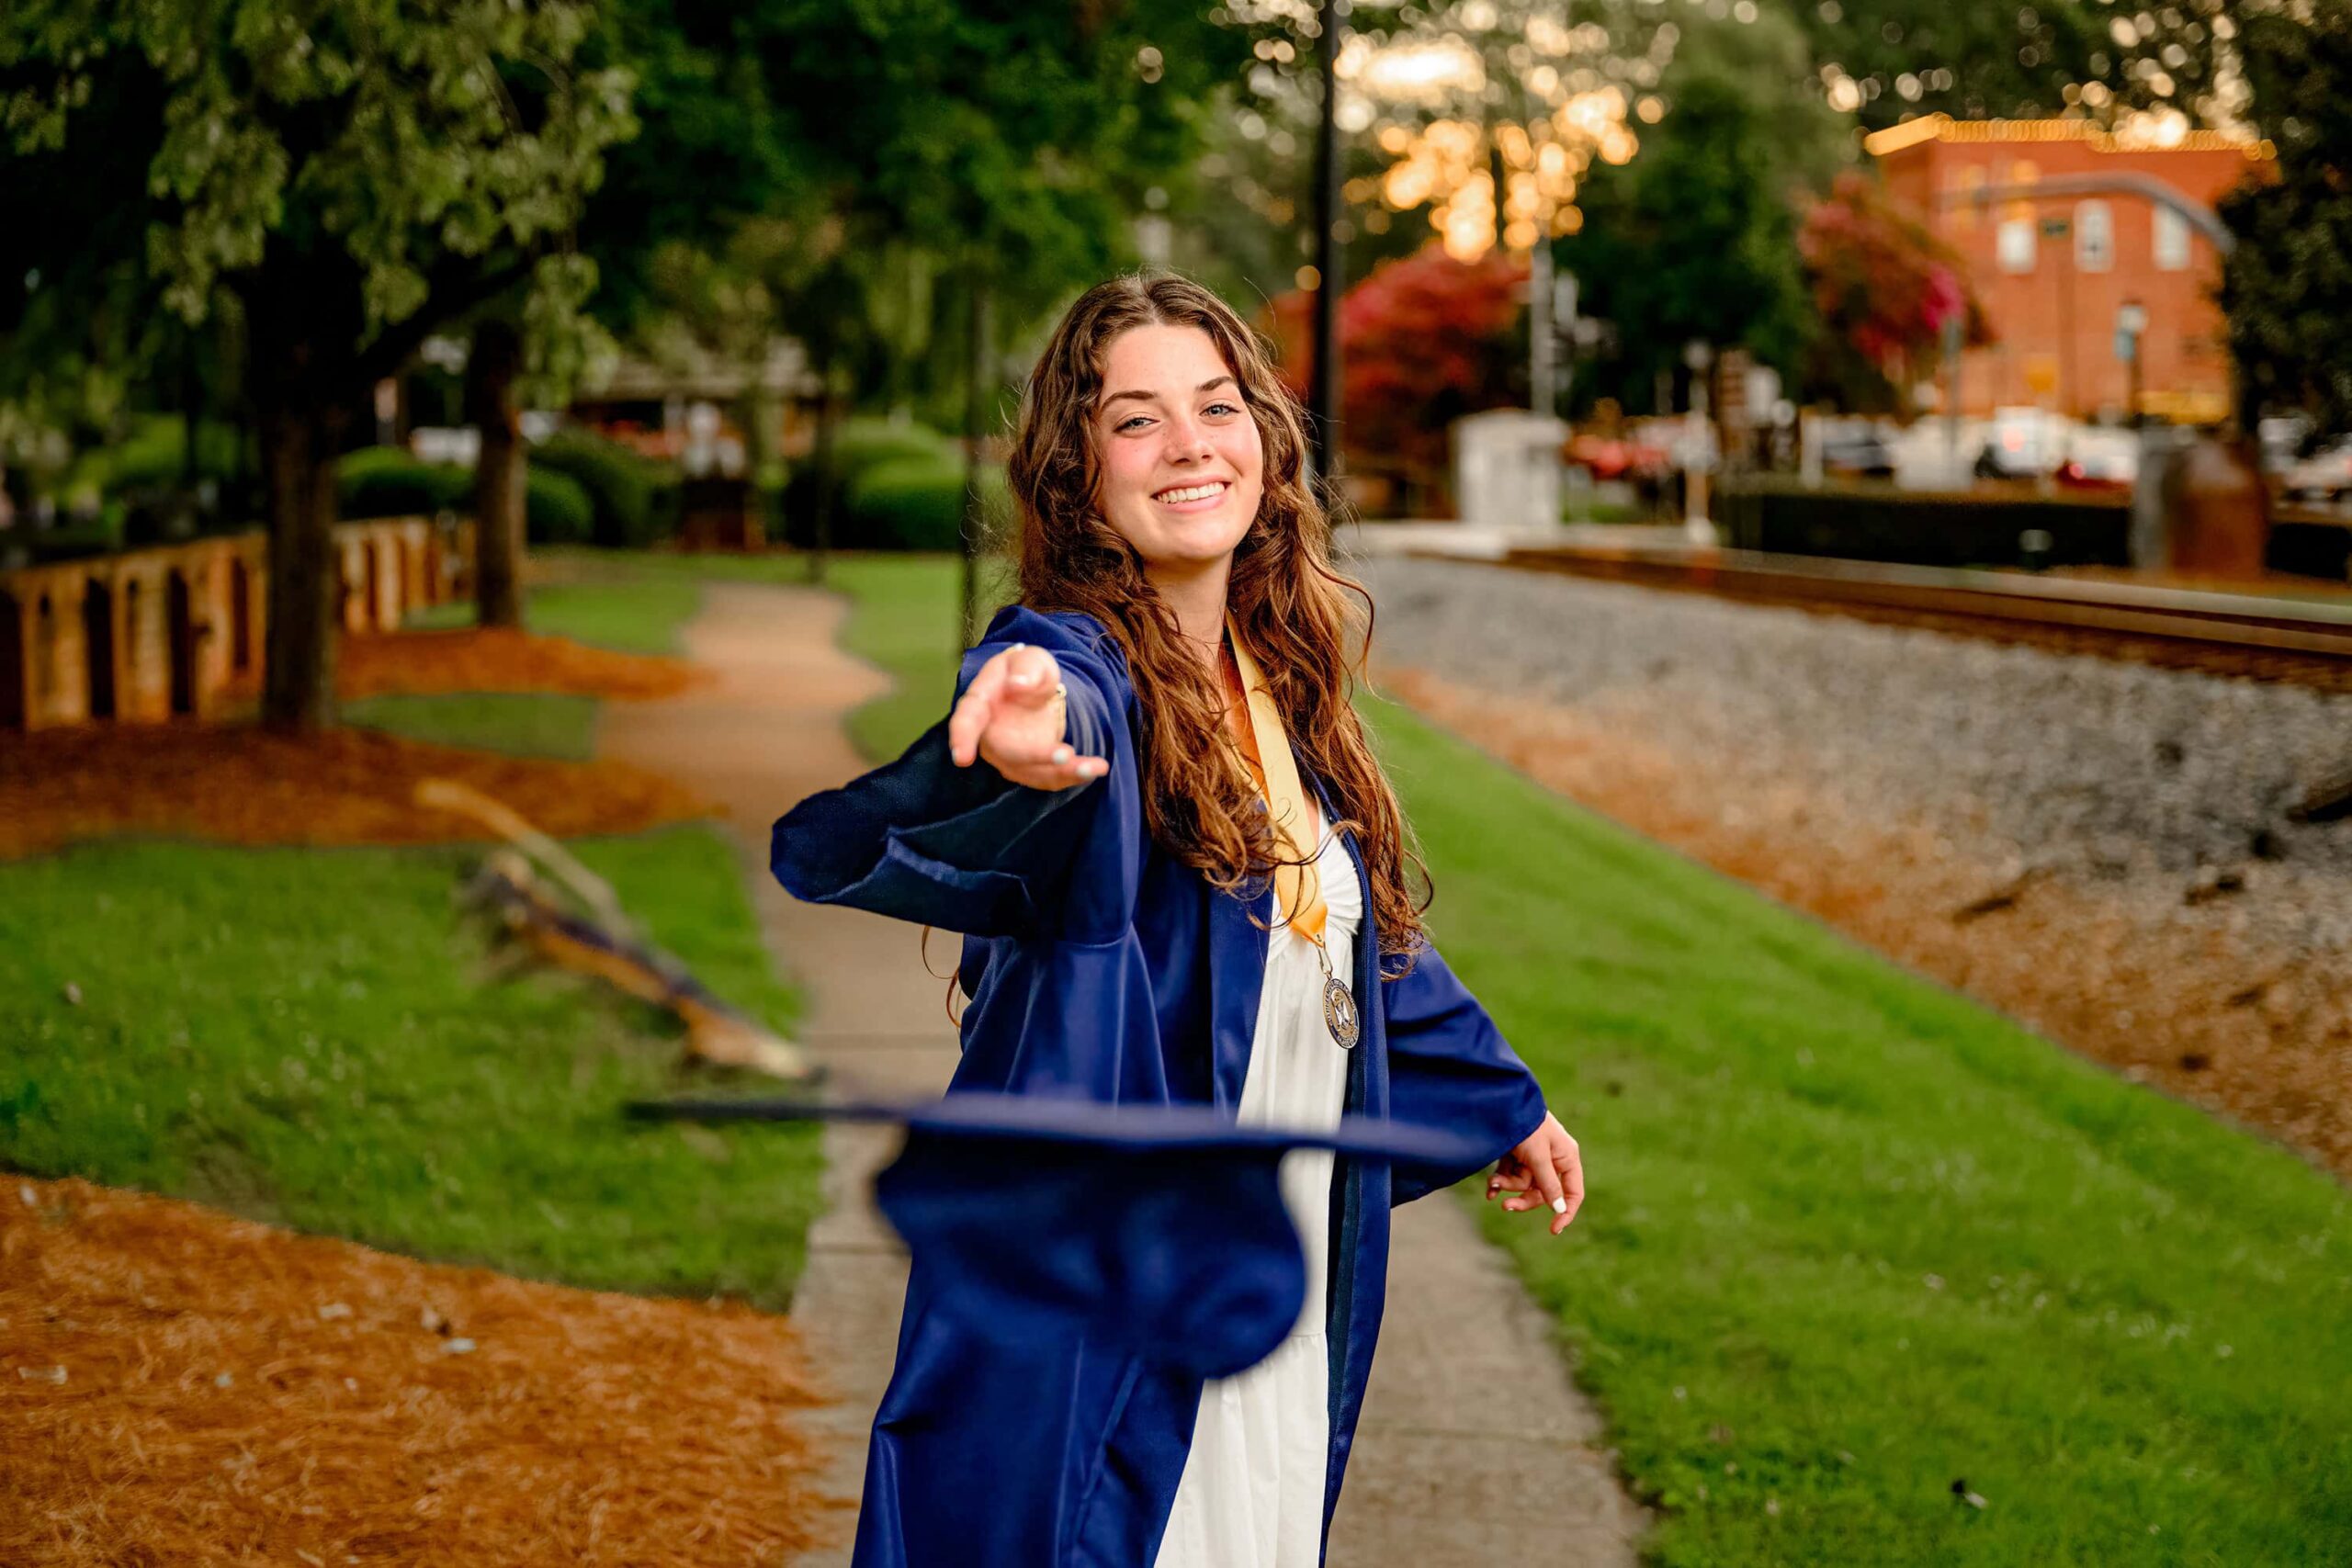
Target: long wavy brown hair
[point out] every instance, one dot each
(1309, 626)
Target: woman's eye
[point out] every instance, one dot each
(1130, 423)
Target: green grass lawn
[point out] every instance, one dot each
(1852, 1238)
(521, 724)
(314, 1037)
(638, 611)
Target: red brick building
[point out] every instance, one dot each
(2062, 224)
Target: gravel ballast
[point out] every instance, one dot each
(1944, 798)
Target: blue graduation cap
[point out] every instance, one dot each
(1159, 1229)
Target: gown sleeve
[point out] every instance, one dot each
(1449, 1066)
(964, 847)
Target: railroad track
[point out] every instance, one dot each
(2237, 635)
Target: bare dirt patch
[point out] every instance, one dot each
(244, 785)
(180, 1387)
(2258, 1033)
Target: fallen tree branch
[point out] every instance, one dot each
(508, 885)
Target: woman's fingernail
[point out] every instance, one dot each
(1559, 1205)
(1061, 755)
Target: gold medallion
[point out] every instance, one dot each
(1339, 1012)
(1339, 1004)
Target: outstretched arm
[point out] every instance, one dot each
(976, 826)
(1013, 717)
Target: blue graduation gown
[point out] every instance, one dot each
(1098, 965)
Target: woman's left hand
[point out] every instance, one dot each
(1547, 1169)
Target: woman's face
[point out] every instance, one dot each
(1182, 467)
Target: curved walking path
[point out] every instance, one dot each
(1474, 1444)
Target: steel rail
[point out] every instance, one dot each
(2217, 623)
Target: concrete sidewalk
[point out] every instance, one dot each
(1474, 1443)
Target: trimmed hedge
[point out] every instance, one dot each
(633, 498)
(1880, 523)
(862, 443)
(556, 508)
(24, 546)
(1921, 528)
(2310, 547)
(917, 504)
(153, 456)
(389, 481)
(909, 507)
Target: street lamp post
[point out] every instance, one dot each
(2131, 321)
(1540, 342)
(1698, 355)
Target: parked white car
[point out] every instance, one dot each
(2022, 444)
(2101, 460)
(2325, 475)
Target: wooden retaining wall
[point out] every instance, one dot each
(150, 635)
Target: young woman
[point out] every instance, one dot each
(1181, 875)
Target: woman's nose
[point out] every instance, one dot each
(1186, 440)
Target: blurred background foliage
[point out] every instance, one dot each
(226, 244)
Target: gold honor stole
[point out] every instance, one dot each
(1298, 887)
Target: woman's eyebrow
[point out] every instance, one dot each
(1210, 385)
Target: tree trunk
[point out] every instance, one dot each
(973, 536)
(828, 464)
(298, 452)
(491, 370)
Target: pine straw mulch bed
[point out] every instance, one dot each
(242, 784)
(177, 1386)
(499, 659)
(2261, 1036)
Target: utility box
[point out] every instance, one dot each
(2198, 509)
(1506, 468)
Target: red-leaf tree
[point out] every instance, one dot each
(1423, 340)
(1884, 289)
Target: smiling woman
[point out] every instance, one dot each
(1183, 464)
(1181, 872)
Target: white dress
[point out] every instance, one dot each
(1251, 1494)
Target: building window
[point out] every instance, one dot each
(2171, 241)
(2094, 236)
(2016, 244)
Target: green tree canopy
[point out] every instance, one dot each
(1695, 237)
(2287, 285)
(349, 172)
(2022, 60)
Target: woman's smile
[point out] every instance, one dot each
(1182, 463)
(1195, 497)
